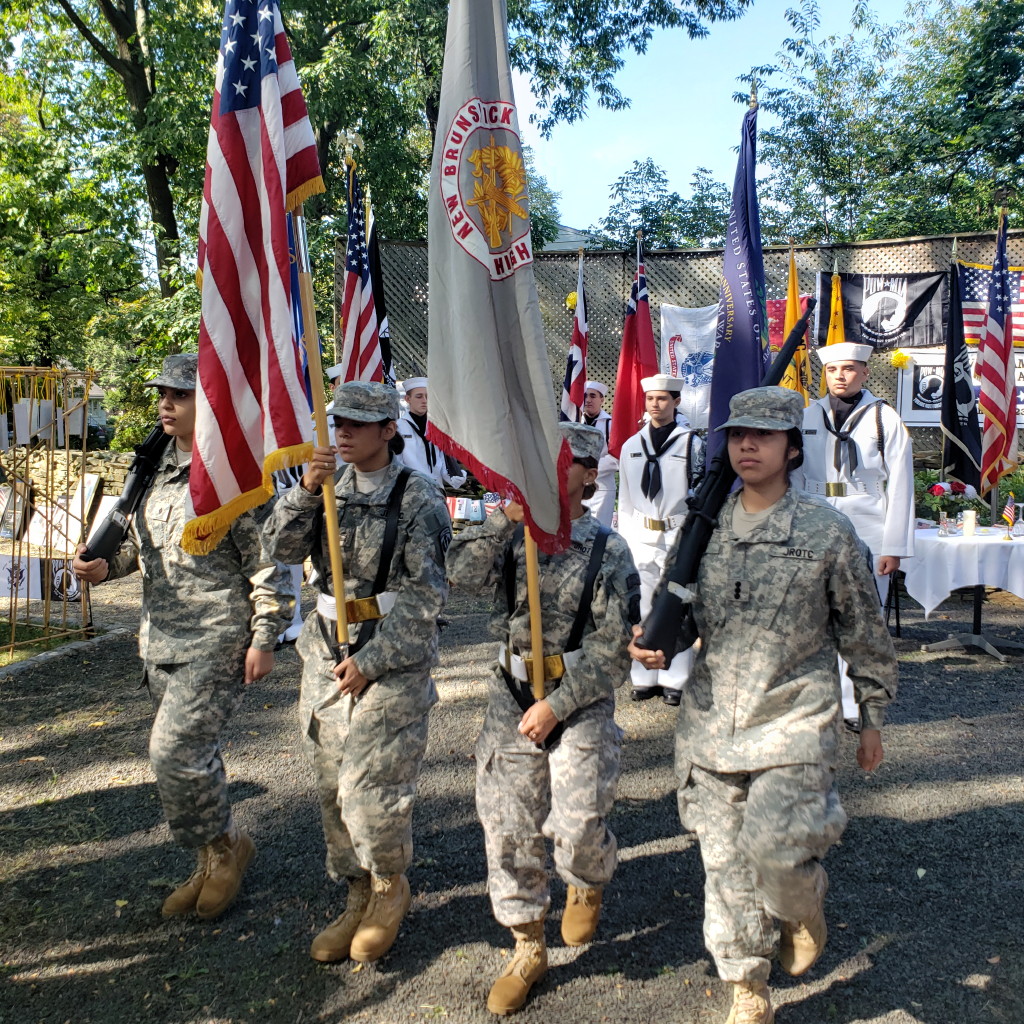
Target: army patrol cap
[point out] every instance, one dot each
(585, 442)
(364, 401)
(766, 409)
(178, 372)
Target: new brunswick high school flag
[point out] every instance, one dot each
(491, 402)
(252, 409)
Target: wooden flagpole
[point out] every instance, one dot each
(316, 378)
(536, 623)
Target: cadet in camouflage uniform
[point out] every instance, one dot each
(364, 716)
(525, 792)
(209, 625)
(784, 586)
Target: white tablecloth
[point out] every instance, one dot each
(943, 564)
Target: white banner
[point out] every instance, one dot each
(688, 352)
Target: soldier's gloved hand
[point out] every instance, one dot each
(94, 571)
(350, 679)
(869, 753)
(257, 664)
(322, 465)
(538, 721)
(649, 659)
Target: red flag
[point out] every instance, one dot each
(252, 412)
(360, 354)
(994, 367)
(637, 360)
(575, 380)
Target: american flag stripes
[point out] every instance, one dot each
(994, 368)
(974, 285)
(1010, 511)
(252, 412)
(576, 363)
(360, 355)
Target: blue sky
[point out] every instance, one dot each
(682, 113)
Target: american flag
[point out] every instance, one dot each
(576, 363)
(1010, 511)
(974, 286)
(637, 360)
(360, 355)
(252, 412)
(994, 368)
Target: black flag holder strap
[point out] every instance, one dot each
(368, 622)
(520, 689)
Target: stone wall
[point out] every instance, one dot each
(56, 472)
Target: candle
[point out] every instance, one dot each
(970, 522)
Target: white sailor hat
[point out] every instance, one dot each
(661, 382)
(596, 385)
(844, 352)
(413, 382)
(334, 372)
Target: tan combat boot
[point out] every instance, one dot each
(802, 943)
(582, 912)
(378, 928)
(529, 964)
(183, 899)
(751, 1004)
(335, 941)
(226, 862)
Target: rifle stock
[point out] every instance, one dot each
(112, 531)
(669, 627)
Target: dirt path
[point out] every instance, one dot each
(925, 906)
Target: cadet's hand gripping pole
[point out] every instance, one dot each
(316, 377)
(536, 623)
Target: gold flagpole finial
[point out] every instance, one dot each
(581, 250)
(640, 234)
(835, 265)
(753, 95)
(952, 254)
(351, 141)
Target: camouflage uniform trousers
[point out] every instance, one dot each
(762, 838)
(193, 703)
(524, 793)
(366, 753)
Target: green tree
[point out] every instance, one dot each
(543, 204)
(643, 202)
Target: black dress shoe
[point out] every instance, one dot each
(646, 693)
(672, 697)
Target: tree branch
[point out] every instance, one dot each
(108, 56)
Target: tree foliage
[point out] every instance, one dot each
(642, 201)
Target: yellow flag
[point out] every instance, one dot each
(836, 327)
(796, 377)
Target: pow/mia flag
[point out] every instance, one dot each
(888, 310)
(961, 433)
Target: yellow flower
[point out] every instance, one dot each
(570, 302)
(900, 360)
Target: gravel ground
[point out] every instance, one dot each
(925, 905)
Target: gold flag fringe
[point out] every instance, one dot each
(204, 533)
(299, 195)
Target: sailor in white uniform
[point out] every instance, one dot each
(602, 504)
(419, 453)
(858, 457)
(655, 479)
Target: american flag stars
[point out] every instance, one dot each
(248, 52)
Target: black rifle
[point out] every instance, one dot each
(670, 626)
(112, 532)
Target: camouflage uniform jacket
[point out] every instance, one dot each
(407, 636)
(200, 606)
(476, 562)
(773, 611)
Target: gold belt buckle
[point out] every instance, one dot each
(655, 524)
(554, 668)
(835, 490)
(362, 609)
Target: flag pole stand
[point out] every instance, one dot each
(536, 623)
(316, 377)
